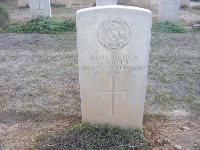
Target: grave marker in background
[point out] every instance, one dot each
(40, 8)
(113, 52)
(106, 2)
(168, 10)
(22, 3)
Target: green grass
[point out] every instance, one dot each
(166, 100)
(163, 79)
(42, 25)
(170, 27)
(163, 98)
(192, 102)
(195, 106)
(24, 114)
(92, 137)
(2, 103)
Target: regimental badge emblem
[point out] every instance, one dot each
(114, 34)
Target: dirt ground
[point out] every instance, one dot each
(39, 89)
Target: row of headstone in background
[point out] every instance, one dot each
(41, 7)
(113, 53)
(139, 3)
(22, 3)
(168, 9)
(143, 3)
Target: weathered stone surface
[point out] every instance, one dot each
(106, 2)
(40, 8)
(22, 3)
(113, 52)
(168, 10)
(138, 3)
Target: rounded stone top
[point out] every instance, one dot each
(114, 7)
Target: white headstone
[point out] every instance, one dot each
(22, 3)
(106, 2)
(168, 10)
(40, 8)
(113, 52)
(138, 3)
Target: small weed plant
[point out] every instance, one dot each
(170, 27)
(43, 25)
(196, 25)
(4, 16)
(93, 137)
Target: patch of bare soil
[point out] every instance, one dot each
(39, 88)
(21, 135)
(164, 132)
(169, 132)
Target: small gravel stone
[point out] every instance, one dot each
(166, 141)
(159, 141)
(177, 147)
(195, 145)
(185, 128)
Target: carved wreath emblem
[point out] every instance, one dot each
(114, 34)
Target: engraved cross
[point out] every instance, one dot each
(39, 8)
(170, 9)
(113, 92)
